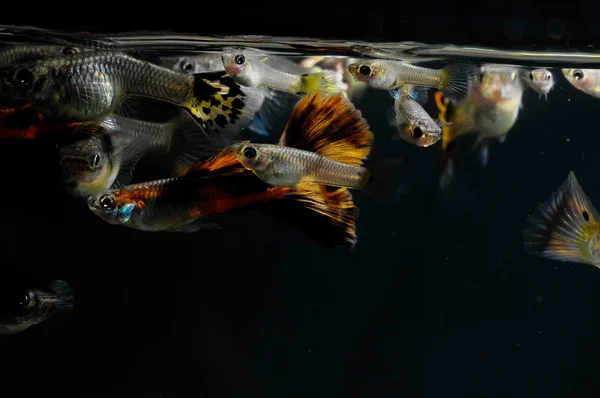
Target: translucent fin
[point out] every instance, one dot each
(564, 226)
(274, 113)
(447, 174)
(326, 81)
(481, 146)
(127, 158)
(258, 127)
(66, 303)
(190, 144)
(457, 79)
(331, 127)
(194, 227)
(221, 162)
(221, 106)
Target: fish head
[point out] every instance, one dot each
(22, 306)
(252, 156)
(541, 80)
(583, 79)
(422, 133)
(114, 207)
(372, 72)
(201, 63)
(27, 81)
(85, 161)
(500, 83)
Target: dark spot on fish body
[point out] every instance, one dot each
(329, 188)
(221, 120)
(206, 110)
(586, 216)
(203, 90)
(215, 102)
(224, 107)
(300, 93)
(304, 74)
(237, 103)
(210, 122)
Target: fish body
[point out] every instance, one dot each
(26, 123)
(413, 123)
(25, 303)
(566, 227)
(586, 80)
(193, 63)
(539, 80)
(105, 154)
(251, 68)
(21, 53)
(386, 74)
(86, 86)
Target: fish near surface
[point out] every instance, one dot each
(86, 86)
(585, 80)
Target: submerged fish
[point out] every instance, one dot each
(413, 123)
(586, 80)
(25, 303)
(566, 227)
(385, 74)
(251, 68)
(491, 110)
(540, 80)
(330, 126)
(328, 148)
(85, 86)
(26, 123)
(104, 155)
(193, 63)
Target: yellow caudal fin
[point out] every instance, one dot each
(326, 214)
(221, 106)
(325, 81)
(562, 227)
(330, 126)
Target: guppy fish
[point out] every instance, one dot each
(104, 154)
(565, 227)
(325, 142)
(193, 63)
(413, 123)
(220, 185)
(330, 126)
(398, 56)
(586, 80)
(385, 74)
(86, 86)
(491, 109)
(540, 80)
(24, 303)
(251, 68)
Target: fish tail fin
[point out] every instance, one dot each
(66, 303)
(326, 214)
(482, 147)
(457, 79)
(325, 81)
(220, 105)
(562, 227)
(445, 111)
(190, 144)
(330, 126)
(224, 161)
(381, 179)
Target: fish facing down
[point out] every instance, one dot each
(565, 227)
(221, 184)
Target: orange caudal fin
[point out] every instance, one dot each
(224, 161)
(331, 126)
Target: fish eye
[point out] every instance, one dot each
(530, 75)
(548, 76)
(365, 70)
(240, 59)
(69, 50)
(578, 74)
(480, 78)
(96, 160)
(25, 300)
(250, 152)
(24, 77)
(417, 132)
(107, 201)
(186, 66)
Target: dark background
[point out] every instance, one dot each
(437, 299)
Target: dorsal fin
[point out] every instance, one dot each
(224, 161)
(330, 126)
